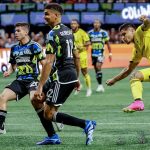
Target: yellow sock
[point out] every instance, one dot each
(87, 79)
(136, 88)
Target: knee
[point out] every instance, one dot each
(2, 98)
(48, 115)
(137, 75)
(36, 104)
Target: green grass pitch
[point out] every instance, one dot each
(115, 129)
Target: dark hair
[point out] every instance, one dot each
(76, 20)
(23, 24)
(125, 26)
(55, 6)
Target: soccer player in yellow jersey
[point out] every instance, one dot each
(141, 39)
(82, 43)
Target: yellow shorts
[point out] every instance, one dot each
(83, 59)
(146, 74)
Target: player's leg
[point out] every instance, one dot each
(15, 91)
(56, 99)
(84, 70)
(99, 74)
(136, 87)
(5, 96)
(39, 108)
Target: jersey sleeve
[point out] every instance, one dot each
(12, 58)
(37, 48)
(40, 56)
(38, 52)
(105, 36)
(85, 36)
(51, 45)
(136, 57)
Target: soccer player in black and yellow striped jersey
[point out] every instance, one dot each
(141, 39)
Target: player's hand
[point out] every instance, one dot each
(78, 86)
(6, 74)
(110, 82)
(38, 94)
(142, 18)
(110, 57)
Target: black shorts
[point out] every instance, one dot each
(22, 87)
(57, 93)
(99, 59)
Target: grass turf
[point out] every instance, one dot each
(115, 129)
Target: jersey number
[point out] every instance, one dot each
(69, 48)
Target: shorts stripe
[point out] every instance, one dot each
(56, 92)
(3, 114)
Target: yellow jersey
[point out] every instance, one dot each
(141, 45)
(80, 38)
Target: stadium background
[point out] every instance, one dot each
(115, 130)
(112, 15)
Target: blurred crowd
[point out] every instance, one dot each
(71, 1)
(7, 40)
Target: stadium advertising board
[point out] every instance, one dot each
(120, 58)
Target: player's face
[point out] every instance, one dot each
(74, 25)
(97, 24)
(20, 33)
(127, 35)
(50, 16)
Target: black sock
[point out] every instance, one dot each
(2, 118)
(48, 126)
(99, 76)
(70, 120)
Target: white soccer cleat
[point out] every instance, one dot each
(2, 131)
(88, 93)
(100, 88)
(59, 126)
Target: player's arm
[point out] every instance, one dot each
(76, 61)
(109, 50)
(123, 74)
(13, 65)
(146, 22)
(77, 66)
(47, 66)
(10, 70)
(45, 74)
(88, 45)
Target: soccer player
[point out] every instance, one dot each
(25, 57)
(141, 39)
(82, 42)
(98, 38)
(61, 59)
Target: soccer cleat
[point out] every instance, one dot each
(89, 129)
(88, 93)
(137, 105)
(2, 130)
(59, 126)
(53, 140)
(100, 88)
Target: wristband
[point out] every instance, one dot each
(110, 54)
